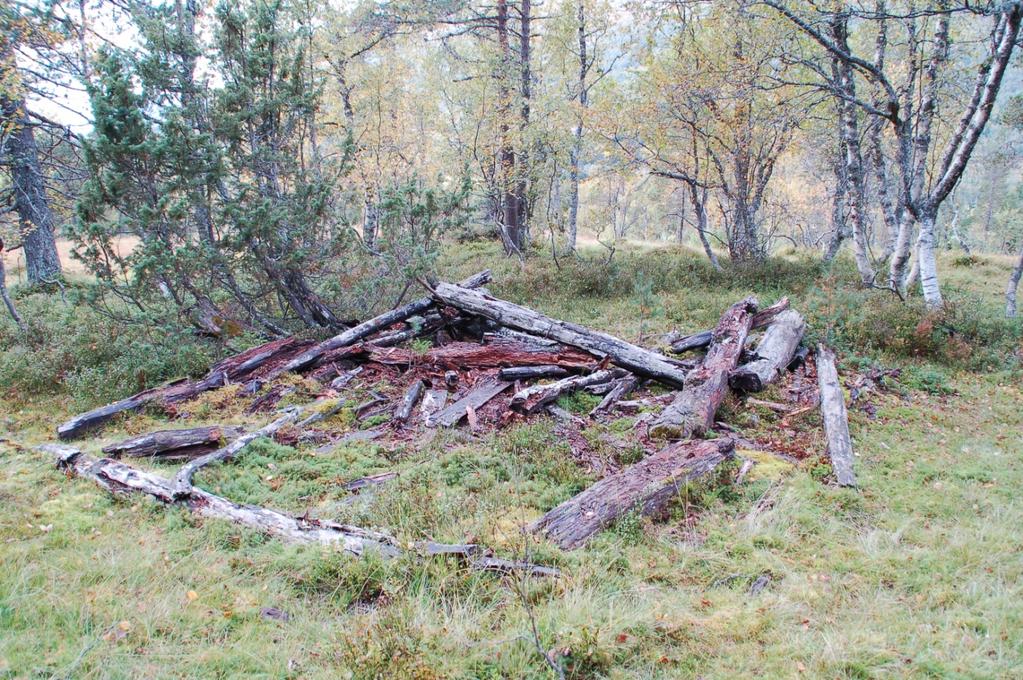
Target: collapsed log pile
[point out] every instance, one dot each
(489, 362)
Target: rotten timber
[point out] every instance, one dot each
(535, 397)
(773, 354)
(483, 392)
(631, 357)
(702, 339)
(692, 412)
(532, 372)
(180, 444)
(836, 419)
(505, 353)
(622, 387)
(649, 486)
(404, 410)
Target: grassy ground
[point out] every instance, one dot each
(919, 574)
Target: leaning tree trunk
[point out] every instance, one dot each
(37, 224)
(5, 296)
(1010, 290)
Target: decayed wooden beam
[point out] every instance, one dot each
(463, 355)
(632, 357)
(535, 397)
(622, 387)
(483, 392)
(433, 401)
(649, 486)
(774, 353)
(532, 372)
(174, 444)
(377, 323)
(118, 478)
(182, 483)
(480, 560)
(404, 410)
(703, 338)
(692, 411)
(836, 419)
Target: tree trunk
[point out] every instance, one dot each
(901, 254)
(836, 420)
(577, 137)
(774, 353)
(698, 198)
(6, 296)
(173, 444)
(926, 256)
(692, 412)
(649, 486)
(1010, 290)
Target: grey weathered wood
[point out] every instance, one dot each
(483, 392)
(371, 480)
(174, 444)
(433, 401)
(532, 372)
(535, 397)
(183, 479)
(649, 486)
(341, 382)
(481, 561)
(692, 411)
(121, 479)
(632, 357)
(404, 410)
(774, 353)
(836, 420)
(702, 339)
(377, 323)
(323, 411)
(622, 387)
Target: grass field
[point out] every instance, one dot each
(919, 574)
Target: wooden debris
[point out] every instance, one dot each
(535, 397)
(774, 353)
(342, 380)
(466, 355)
(632, 357)
(532, 372)
(433, 401)
(404, 410)
(321, 413)
(747, 465)
(183, 479)
(483, 392)
(622, 387)
(480, 559)
(121, 479)
(692, 411)
(773, 405)
(371, 480)
(377, 323)
(650, 486)
(179, 444)
(836, 420)
(703, 338)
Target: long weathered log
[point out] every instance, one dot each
(650, 485)
(535, 397)
(702, 339)
(183, 479)
(174, 444)
(836, 420)
(482, 393)
(622, 386)
(632, 357)
(774, 353)
(463, 355)
(118, 478)
(377, 323)
(692, 411)
(232, 369)
(404, 410)
(532, 372)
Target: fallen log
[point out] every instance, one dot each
(505, 353)
(836, 420)
(692, 411)
(404, 410)
(702, 339)
(774, 353)
(535, 397)
(377, 323)
(631, 357)
(121, 479)
(322, 411)
(371, 480)
(229, 370)
(173, 444)
(532, 372)
(182, 483)
(433, 401)
(649, 486)
(483, 392)
(480, 559)
(622, 387)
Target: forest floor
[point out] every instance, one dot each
(919, 573)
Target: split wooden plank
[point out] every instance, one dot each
(649, 486)
(631, 357)
(121, 479)
(404, 410)
(692, 412)
(433, 401)
(178, 444)
(702, 339)
(836, 419)
(183, 479)
(774, 353)
(483, 392)
(377, 323)
(535, 397)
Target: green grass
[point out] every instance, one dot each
(918, 575)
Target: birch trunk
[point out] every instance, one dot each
(1010, 290)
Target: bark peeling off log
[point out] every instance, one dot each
(774, 353)
(836, 420)
(121, 479)
(650, 485)
(173, 444)
(632, 357)
(692, 412)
